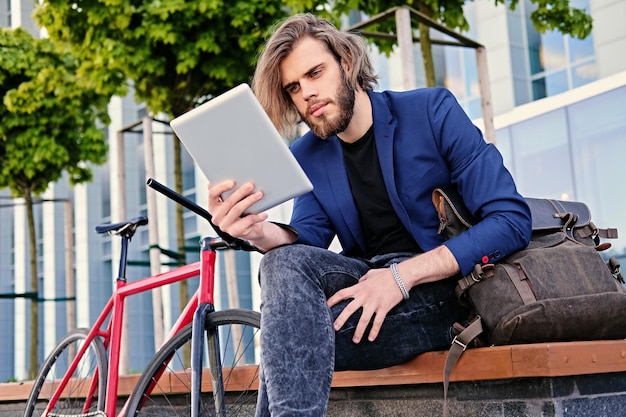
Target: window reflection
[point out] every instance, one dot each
(558, 62)
(584, 74)
(580, 49)
(188, 169)
(503, 143)
(598, 135)
(550, 85)
(540, 149)
(552, 51)
(576, 152)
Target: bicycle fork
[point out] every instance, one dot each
(205, 307)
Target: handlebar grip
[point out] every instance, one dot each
(233, 242)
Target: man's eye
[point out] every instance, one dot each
(293, 89)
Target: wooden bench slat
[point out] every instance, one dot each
(498, 362)
(571, 358)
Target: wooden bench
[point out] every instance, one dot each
(481, 364)
(500, 362)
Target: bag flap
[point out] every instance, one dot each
(547, 215)
(550, 214)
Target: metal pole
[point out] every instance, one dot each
(153, 234)
(231, 287)
(121, 183)
(405, 46)
(231, 278)
(70, 289)
(485, 94)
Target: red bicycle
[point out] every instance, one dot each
(80, 376)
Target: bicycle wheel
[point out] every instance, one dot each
(164, 387)
(80, 396)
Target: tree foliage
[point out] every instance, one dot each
(557, 15)
(176, 53)
(48, 127)
(48, 116)
(548, 15)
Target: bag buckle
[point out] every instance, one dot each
(458, 342)
(614, 267)
(477, 274)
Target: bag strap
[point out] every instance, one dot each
(521, 282)
(459, 345)
(591, 230)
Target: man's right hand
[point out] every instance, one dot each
(228, 215)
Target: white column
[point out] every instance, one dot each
(83, 253)
(405, 45)
(162, 145)
(22, 285)
(48, 317)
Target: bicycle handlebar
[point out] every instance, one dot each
(233, 242)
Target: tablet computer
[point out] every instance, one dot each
(230, 137)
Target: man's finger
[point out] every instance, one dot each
(339, 296)
(377, 324)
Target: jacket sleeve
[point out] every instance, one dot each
(477, 171)
(310, 222)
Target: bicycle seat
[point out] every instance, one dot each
(117, 228)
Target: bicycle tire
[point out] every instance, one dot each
(73, 401)
(152, 398)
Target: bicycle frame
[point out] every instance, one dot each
(200, 304)
(114, 310)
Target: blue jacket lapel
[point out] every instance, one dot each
(340, 187)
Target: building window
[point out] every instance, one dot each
(459, 67)
(541, 146)
(558, 63)
(598, 134)
(5, 13)
(574, 152)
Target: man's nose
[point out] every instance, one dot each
(309, 90)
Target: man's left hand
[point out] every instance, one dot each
(376, 293)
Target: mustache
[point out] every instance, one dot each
(313, 104)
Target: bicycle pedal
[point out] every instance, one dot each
(90, 414)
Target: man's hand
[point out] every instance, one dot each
(376, 293)
(228, 214)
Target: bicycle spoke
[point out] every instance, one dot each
(237, 331)
(84, 393)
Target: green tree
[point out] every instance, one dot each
(176, 53)
(557, 15)
(49, 127)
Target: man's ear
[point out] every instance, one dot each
(345, 66)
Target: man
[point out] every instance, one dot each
(374, 160)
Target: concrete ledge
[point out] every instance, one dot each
(598, 395)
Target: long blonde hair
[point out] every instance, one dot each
(346, 47)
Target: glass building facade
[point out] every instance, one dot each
(559, 104)
(574, 150)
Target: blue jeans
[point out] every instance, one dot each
(299, 347)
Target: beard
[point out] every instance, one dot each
(325, 126)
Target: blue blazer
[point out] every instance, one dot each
(424, 140)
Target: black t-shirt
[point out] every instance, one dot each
(384, 232)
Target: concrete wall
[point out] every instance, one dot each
(600, 395)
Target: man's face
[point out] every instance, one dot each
(318, 87)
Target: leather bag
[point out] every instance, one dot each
(557, 289)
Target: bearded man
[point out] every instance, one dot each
(374, 159)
